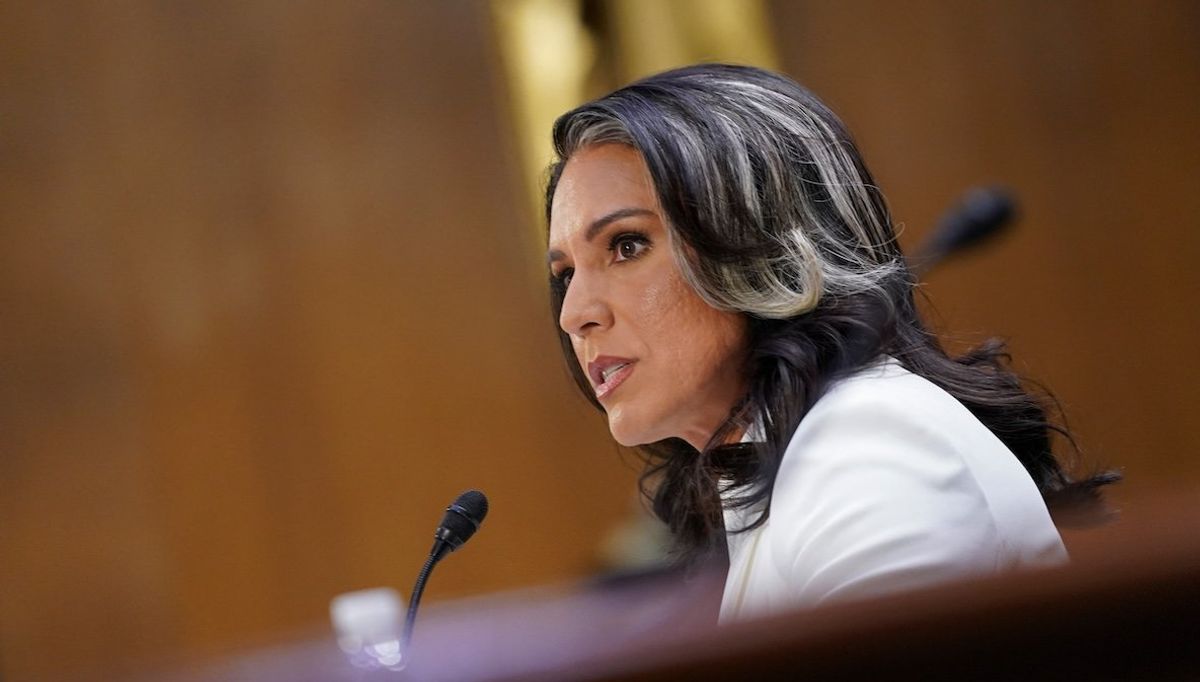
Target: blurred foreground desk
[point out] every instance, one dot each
(1127, 608)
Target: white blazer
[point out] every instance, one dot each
(888, 484)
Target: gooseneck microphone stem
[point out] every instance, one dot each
(462, 519)
(440, 549)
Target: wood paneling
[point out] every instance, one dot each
(268, 297)
(269, 302)
(1088, 111)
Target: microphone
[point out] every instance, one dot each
(462, 519)
(982, 213)
(460, 522)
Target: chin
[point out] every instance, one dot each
(629, 431)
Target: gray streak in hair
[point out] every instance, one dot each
(780, 160)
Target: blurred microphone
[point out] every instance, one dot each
(460, 522)
(981, 214)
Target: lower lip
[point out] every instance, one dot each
(613, 381)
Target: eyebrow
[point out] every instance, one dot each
(599, 224)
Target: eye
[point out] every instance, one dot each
(562, 280)
(628, 246)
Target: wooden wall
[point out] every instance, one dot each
(269, 301)
(270, 297)
(1088, 111)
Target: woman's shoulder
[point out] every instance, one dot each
(886, 386)
(889, 484)
(891, 470)
(884, 421)
(898, 422)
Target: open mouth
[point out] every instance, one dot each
(607, 373)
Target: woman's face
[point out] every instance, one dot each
(661, 361)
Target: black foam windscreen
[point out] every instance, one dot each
(463, 517)
(982, 213)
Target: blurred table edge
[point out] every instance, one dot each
(1128, 606)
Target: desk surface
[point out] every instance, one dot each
(1127, 607)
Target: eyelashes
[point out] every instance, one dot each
(625, 247)
(560, 282)
(636, 240)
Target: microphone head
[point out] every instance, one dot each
(984, 212)
(462, 518)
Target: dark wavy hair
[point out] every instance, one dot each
(774, 214)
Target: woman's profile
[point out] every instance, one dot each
(730, 292)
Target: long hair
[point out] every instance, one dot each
(774, 215)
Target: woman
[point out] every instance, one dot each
(731, 294)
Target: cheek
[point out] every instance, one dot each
(684, 331)
(580, 354)
(656, 306)
(657, 312)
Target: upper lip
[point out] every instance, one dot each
(602, 362)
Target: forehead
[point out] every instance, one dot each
(595, 182)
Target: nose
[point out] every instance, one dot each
(585, 306)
